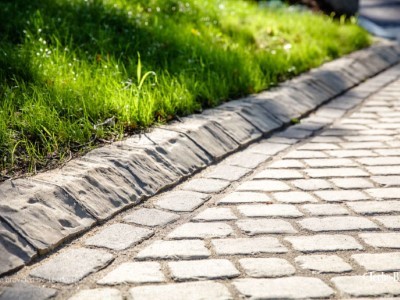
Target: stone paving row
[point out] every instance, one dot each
(311, 212)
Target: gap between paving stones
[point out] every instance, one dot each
(170, 154)
(89, 282)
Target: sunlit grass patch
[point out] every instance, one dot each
(76, 73)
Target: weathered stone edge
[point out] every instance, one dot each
(49, 208)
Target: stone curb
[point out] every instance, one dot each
(39, 213)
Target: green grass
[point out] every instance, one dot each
(71, 77)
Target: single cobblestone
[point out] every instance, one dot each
(352, 183)
(261, 226)
(206, 185)
(181, 201)
(25, 291)
(380, 161)
(342, 196)
(387, 181)
(384, 170)
(341, 223)
(294, 197)
(230, 173)
(335, 172)
(263, 186)
(324, 242)
(243, 246)
(325, 209)
(98, 294)
(351, 153)
(266, 267)
(298, 154)
(383, 262)
(390, 222)
(382, 240)
(287, 164)
(366, 286)
(201, 230)
(244, 197)
(190, 249)
(151, 217)
(134, 272)
(374, 207)
(312, 184)
(271, 210)
(329, 162)
(72, 265)
(203, 269)
(384, 193)
(283, 288)
(278, 174)
(119, 237)
(181, 291)
(215, 214)
(323, 263)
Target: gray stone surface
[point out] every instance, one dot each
(201, 230)
(243, 246)
(268, 148)
(382, 239)
(384, 193)
(283, 288)
(342, 195)
(323, 263)
(134, 272)
(278, 174)
(246, 159)
(352, 183)
(294, 197)
(181, 291)
(390, 222)
(225, 172)
(270, 210)
(341, 223)
(325, 209)
(215, 214)
(312, 184)
(263, 186)
(206, 185)
(25, 291)
(98, 294)
(203, 269)
(72, 265)
(181, 201)
(367, 286)
(44, 215)
(323, 242)
(151, 217)
(374, 207)
(266, 267)
(119, 237)
(14, 250)
(186, 249)
(385, 262)
(262, 226)
(244, 197)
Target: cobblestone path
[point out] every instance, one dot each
(310, 212)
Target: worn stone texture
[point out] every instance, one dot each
(226, 172)
(44, 215)
(325, 209)
(206, 185)
(14, 250)
(215, 214)
(181, 201)
(341, 223)
(119, 237)
(323, 242)
(72, 265)
(266, 267)
(383, 262)
(151, 217)
(25, 291)
(323, 263)
(201, 230)
(262, 226)
(244, 197)
(382, 239)
(283, 288)
(98, 294)
(270, 210)
(243, 246)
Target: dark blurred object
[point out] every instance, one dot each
(339, 7)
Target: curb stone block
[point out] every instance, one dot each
(24, 291)
(44, 215)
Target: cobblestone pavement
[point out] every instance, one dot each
(310, 212)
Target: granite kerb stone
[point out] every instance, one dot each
(56, 205)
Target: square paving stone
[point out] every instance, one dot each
(134, 272)
(181, 201)
(341, 223)
(323, 263)
(294, 197)
(72, 265)
(119, 237)
(390, 222)
(261, 226)
(382, 262)
(325, 209)
(203, 269)
(215, 214)
(151, 217)
(206, 185)
(182, 291)
(244, 197)
(270, 210)
(283, 288)
(243, 246)
(367, 286)
(98, 294)
(266, 267)
(24, 291)
(190, 249)
(382, 240)
(201, 230)
(323, 242)
(263, 186)
(225, 172)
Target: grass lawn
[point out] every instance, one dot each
(77, 73)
